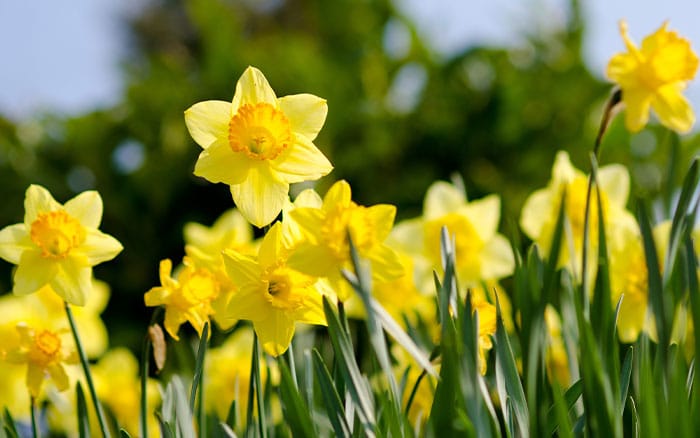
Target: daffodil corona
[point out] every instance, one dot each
(57, 245)
(258, 144)
(654, 76)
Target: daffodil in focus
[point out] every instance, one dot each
(481, 253)
(539, 214)
(205, 245)
(57, 245)
(258, 144)
(324, 250)
(44, 352)
(271, 294)
(187, 297)
(654, 76)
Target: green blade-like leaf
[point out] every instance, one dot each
(83, 419)
(295, 411)
(625, 376)
(331, 399)
(688, 192)
(124, 434)
(199, 365)
(571, 396)
(9, 424)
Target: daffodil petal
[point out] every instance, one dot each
(497, 258)
(253, 88)
(315, 260)
(242, 269)
(302, 161)
(38, 200)
(87, 208)
(59, 376)
(275, 333)
(249, 303)
(208, 121)
(33, 272)
(312, 310)
(484, 215)
(35, 378)
(218, 163)
(261, 196)
(309, 221)
(442, 198)
(408, 236)
(672, 109)
(339, 195)
(386, 264)
(382, 219)
(271, 246)
(173, 320)
(156, 296)
(637, 103)
(99, 247)
(563, 171)
(536, 213)
(73, 281)
(306, 113)
(14, 240)
(614, 181)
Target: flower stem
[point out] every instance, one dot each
(32, 407)
(86, 370)
(258, 387)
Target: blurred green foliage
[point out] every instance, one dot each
(399, 118)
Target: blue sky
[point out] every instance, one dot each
(66, 59)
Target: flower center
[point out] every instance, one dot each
(46, 348)
(282, 283)
(56, 233)
(260, 131)
(199, 286)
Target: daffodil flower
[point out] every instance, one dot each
(654, 76)
(188, 297)
(324, 250)
(57, 245)
(258, 144)
(271, 294)
(44, 352)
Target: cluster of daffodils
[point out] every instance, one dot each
(272, 259)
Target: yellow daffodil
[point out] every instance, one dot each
(205, 245)
(258, 144)
(487, 328)
(57, 245)
(556, 358)
(481, 253)
(324, 250)
(188, 297)
(654, 76)
(44, 351)
(118, 386)
(271, 294)
(539, 214)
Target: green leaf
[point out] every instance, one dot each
(331, 399)
(83, 419)
(199, 365)
(626, 375)
(9, 424)
(688, 192)
(571, 396)
(296, 413)
(124, 434)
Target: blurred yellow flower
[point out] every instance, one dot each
(57, 245)
(539, 214)
(118, 386)
(271, 294)
(654, 76)
(324, 250)
(258, 144)
(188, 297)
(556, 358)
(44, 352)
(481, 253)
(487, 328)
(205, 245)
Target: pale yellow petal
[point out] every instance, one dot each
(270, 250)
(339, 194)
(563, 171)
(87, 208)
(408, 236)
(315, 260)
(275, 332)
(497, 258)
(312, 310)
(261, 196)
(253, 88)
(484, 215)
(218, 163)
(386, 264)
(99, 247)
(537, 212)
(35, 378)
(302, 161)
(249, 303)
(382, 219)
(59, 377)
(208, 121)
(305, 112)
(308, 198)
(614, 181)
(156, 296)
(38, 200)
(14, 240)
(73, 281)
(309, 221)
(33, 273)
(672, 109)
(442, 198)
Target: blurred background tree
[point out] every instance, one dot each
(399, 118)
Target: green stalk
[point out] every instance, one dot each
(86, 370)
(32, 408)
(258, 387)
(292, 366)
